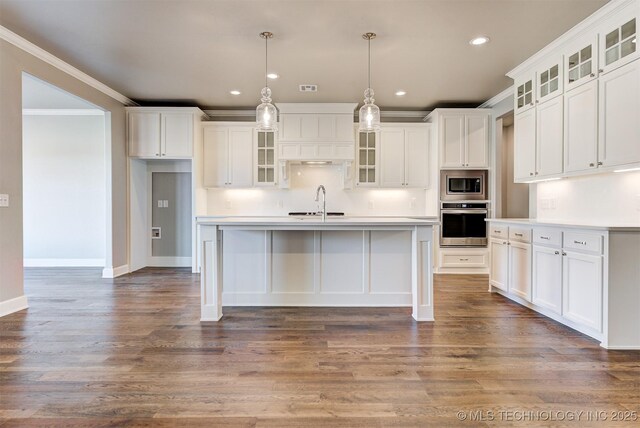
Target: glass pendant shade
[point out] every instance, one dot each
(369, 115)
(266, 113)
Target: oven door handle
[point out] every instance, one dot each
(463, 211)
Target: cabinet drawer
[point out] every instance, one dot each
(460, 260)
(519, 234)
(499, 231)
(583, 241)
(547, 236)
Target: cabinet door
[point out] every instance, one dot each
(525, 96)
(177, 135)
(524, 150)
(618, 42)
(499, 269)
(392, 157)
(619, 95)
(520, 270)
(582, 289)
(477, 141)
(547, 278)
(265, 158)
(581, 128)
(581, 63)
(452, 141)
(550, 81)
(241, 157)
(216, 156)
(144, 134)
(549, 136)
(367, 158)
(417, 157)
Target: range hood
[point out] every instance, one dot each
(316, 132)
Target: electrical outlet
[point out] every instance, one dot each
(4, 200)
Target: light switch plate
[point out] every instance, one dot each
(165, 204)
(159, 203)
(4, 200)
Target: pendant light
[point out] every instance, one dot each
(266, 113)
(369, 117)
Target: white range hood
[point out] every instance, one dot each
(316, 132)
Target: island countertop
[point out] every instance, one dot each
(316, 222)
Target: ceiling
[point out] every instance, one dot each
(37, 94)
(196, 51)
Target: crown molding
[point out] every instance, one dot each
(62, 112)
(230, 113)
(498, 98)
(38, 52)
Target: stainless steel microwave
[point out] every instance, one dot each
(463, 185)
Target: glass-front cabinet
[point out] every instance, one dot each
(618, 43)
(550, 81)
(367, 159)
(265, 159)
(580, 63)
(525, 93)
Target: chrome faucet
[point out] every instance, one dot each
(324, 201)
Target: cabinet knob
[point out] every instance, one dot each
(530, 104)
(157, 154)
(593, 74)
(601, 70)
(531, 173)
(536, 172)
(556, 252)
(564, 254)
(592, 164)
(599, 163)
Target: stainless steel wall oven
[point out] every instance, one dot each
(463, 224)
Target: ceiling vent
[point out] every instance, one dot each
(308, 88)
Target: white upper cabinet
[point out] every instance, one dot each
(316, 127)
(464, 138)
(620, 116)
(618, 39)
(581, 128)
(525, 96)
(167, 133)
(581, 63)
(404, 156)
(524, 150)
(549, 137)
(368, 158)
(549, 80)
(228, 156)
(265, 155)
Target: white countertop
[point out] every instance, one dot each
(562, 223)
(332, 221)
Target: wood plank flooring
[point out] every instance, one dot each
(132, 352)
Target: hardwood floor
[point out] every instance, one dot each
(132, 352)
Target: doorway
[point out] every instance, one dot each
(65, 171)
(512, 199)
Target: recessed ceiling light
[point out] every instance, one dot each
(273, 75)
(235, 92)
(401, 93)
(480, 40)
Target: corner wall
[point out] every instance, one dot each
(13, 62)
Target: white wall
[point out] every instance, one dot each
(610, 199)
(300, 197)
(64, 190)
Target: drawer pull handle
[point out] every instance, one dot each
(518, 234)
(544, 237)
(464, 260)
(580, 242)
(497, 231)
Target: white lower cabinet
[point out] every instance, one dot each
(547, 278)
(582, 289)
(499, 271)
(520, 269)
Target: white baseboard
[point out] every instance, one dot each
(13, 305)
(63, 262)
(169, 262)
(115, 272)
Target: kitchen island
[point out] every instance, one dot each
(295, 261)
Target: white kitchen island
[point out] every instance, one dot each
(293, 261)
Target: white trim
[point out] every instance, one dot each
(383, 113)
(62, 112)
(63, 262)
(316, 108)
(169, 261)
(498, 98)
(115, 272)
(13, 305)
(586, 25)
(45, 56)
